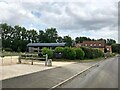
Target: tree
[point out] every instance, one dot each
(81, 39)
(41, 36)
(59, 39)
(101, 39)
(110, 41)
(68, 40)
(51, 35)
(116, 48)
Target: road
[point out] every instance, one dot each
(104, 76)
(46, 78)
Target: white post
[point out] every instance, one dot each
(38, 49)
(11, 59)
(46, 59)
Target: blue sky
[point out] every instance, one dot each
(90, 18)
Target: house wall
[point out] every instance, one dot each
(109, 49)
(101, 49)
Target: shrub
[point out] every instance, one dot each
(8, 49)
(92, 53)
(101, 54)
(65, 52)
(72, 54)
(69, 53)
(47, 51)
(79, 53)
(59, 50)
(87, 52)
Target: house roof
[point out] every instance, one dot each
(94, 44)
(45, 44)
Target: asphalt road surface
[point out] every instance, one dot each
(46, 78)
(104, 76)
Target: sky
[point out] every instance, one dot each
(90, 18)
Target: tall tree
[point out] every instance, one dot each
(110, 41)
(41, 36)
(68, 40)
(81, 39)
(101, 39)
(51, 35)
(59, 39)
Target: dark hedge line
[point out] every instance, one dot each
(73, 53)
(92, 53)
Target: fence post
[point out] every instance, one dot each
(2, 58)
(11, 58)
(19, 59)
(46, 59)
(32, 60)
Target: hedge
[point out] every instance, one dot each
(47, 51)
(92, 53)
(79, 53)
(8, 49)
(59, 50)
(74, 53)
(69, 53)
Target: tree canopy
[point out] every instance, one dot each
(15, 38)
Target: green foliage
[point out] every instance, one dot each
(79, 53)
(59, 50)
(72, 54)
(8, 49)
(68, 40)
(92, 53)
(116, 48)
(110, 41)
(81, 39)
(69, 53)
(19, 50)
(47, 51)
(17, 36)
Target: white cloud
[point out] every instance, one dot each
(84, 16)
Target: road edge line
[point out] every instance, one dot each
(72, 77)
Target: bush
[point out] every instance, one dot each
(92, 53)
(59, 50)
(8, 49)
(87, 52)
(72, 54)
(47, 51)
(65, 52)
(79, 53)
(69, 53)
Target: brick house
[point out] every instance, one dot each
(101, 45)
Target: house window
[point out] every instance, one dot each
(90, 44)
(94, 44)
(85, 44)
(108, 49)
(99, 44)
(79, 44)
